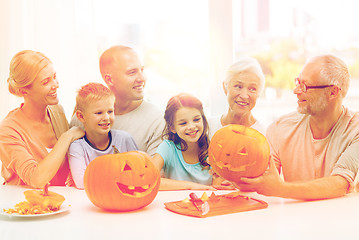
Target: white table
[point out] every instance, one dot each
(283, 219)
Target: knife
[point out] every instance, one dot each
(201, 206)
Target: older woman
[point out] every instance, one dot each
(34, 138)
(242, 86)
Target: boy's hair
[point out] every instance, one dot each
(173, 105)
(91, 92)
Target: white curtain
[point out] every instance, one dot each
(61, 29)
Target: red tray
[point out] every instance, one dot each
(219, 205)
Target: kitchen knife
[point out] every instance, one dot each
(201, 206)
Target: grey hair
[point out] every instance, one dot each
(333, 71)
(246, 64)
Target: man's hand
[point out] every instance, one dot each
(268, 184)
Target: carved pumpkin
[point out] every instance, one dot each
(44, 198)
(122, 181)
(237, 151)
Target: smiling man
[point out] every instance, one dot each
(317, 148)
(123, 72)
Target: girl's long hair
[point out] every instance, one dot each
(173, 105)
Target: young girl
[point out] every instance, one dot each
(182, 155)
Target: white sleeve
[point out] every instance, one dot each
(76, 156)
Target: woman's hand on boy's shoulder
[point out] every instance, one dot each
(76, 133)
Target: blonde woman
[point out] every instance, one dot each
(35, 137)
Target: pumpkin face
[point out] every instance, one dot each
(122, 181)
(237, 151)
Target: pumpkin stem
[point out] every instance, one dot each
(115, 150)
(46, 190)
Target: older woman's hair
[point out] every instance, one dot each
(333, 71)
(24, 68)
(246, 64)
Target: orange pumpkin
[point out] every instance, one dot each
(237, 151)
(44, 198)
(122, 181)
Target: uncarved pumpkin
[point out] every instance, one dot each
(237, 151)
(122, 181)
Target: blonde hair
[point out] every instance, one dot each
(24, 68)
(91, 92)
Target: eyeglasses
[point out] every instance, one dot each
(304, 87)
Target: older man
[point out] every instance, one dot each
(317, 147)
(123, 72)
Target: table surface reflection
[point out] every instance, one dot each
(282, 219)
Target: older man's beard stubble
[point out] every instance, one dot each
(316, 106)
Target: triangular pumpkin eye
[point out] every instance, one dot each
(127, 168)
(243, 151)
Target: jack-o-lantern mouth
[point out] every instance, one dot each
(232, 168)
(132, 190)
(225, 165)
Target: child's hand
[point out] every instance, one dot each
(224, 187)
(221, 184)
(197, 186)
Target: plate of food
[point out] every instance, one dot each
(38, 203)
(34, 211)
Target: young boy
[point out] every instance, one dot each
(95, 109)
